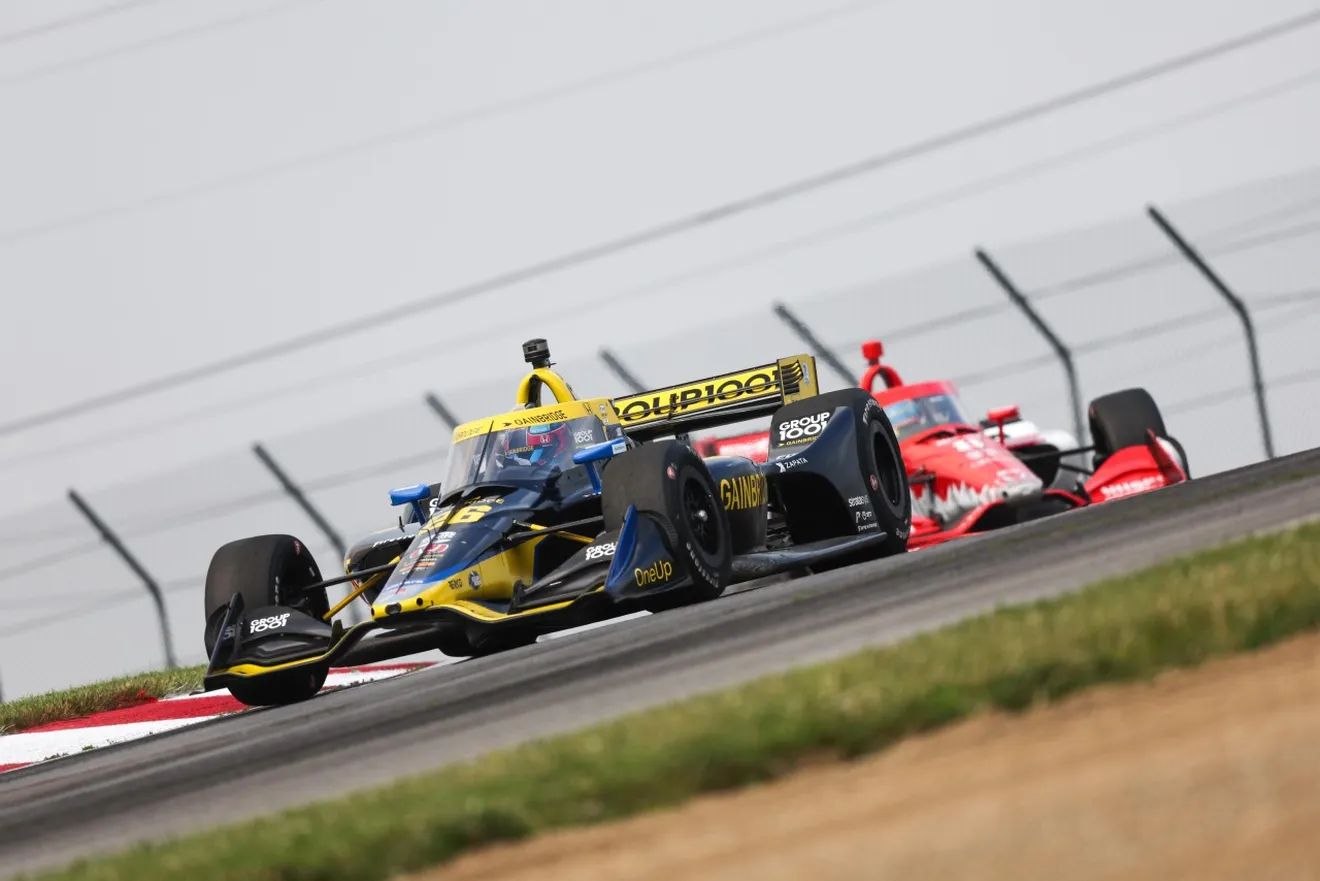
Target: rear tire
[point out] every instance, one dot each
(815, 511)
(668, 479)
(267, 570)
(1121, 419)
(1182, 456)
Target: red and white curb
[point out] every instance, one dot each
(57, 739)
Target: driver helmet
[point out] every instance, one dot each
(543, 443)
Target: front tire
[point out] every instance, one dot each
(267, 570)
(668, 479)
(1121, 420)
(278, 689)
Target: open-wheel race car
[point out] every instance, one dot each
(558, 514)
(969, 476)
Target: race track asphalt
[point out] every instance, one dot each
(232, 769)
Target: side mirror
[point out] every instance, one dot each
(1004, 414)
(411, 495)
(589, 456)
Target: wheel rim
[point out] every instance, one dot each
(699, 511)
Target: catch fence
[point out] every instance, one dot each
(1173, 298)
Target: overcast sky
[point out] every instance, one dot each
(184, 180)
(120, 261)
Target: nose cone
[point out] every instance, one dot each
(431, 561)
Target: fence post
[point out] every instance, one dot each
(296, 493)
(1237, 305)
(446, 415)
(819, 349)
(150, 583)
(1065, 355)
(617, 368)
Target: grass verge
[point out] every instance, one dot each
(72, 703)
(1232, 599)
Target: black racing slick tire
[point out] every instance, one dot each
(668, 479)
(1182, 456)
(814, 512)
(1121, 420)
(268, 570)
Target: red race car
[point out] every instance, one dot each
(971, 476)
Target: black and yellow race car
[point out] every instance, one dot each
(557, 514)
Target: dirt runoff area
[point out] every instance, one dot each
(1206, 774)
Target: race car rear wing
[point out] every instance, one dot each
(718, 400)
